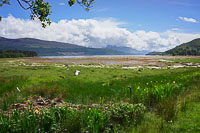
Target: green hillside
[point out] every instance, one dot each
(190, 48)
(127, 50)
(52, 48)
(155, 53)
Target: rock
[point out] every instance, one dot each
(40, 101)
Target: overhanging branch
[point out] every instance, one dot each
(27, 2)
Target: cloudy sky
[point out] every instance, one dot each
(153, 25)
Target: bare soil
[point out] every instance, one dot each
(159, 61)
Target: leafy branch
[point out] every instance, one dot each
(40, 10)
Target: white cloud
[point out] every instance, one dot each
(93, 33)
(181, 3)
(61, 4)
(183, 37)
(175, 29)
(188, 19)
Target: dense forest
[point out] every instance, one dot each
(16, 53)
(186, 49)
(190, 48)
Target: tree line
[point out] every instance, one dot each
(16, 53)
(184, 51)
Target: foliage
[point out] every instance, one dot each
(4, 2)
(17, 53)
(186, 109)
(125, 113)
(190, 48)
(62, 119)
(41, 10)
(123, 96)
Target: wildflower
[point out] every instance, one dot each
(36, 111)
(28, 101)
(174, 82)
(89, 109)
(30, 111)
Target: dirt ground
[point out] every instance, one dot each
(159, 61)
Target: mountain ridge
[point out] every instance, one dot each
(48, 48)
(127, 50)
(191, 48)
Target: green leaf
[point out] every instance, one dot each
(71, 2)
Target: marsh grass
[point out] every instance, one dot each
(157, 90)
(65, 119)
(187, 60)
(177, 114)
(148, 86)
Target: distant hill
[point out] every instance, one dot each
(155, 53)
(190, 48)
(16, 54)
(127, 50)
(52, 48)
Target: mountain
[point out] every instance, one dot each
(127, 50)
(52, 48)
(190, 48)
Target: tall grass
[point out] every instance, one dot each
(129, 91)
(65, 119)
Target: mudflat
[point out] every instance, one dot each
(159, 61)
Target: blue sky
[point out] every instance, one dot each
(156, 15)
(165, 17)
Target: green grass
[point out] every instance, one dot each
(62, 119)
(186, 117)
(92, 83)
(187, 60)
(159, 91)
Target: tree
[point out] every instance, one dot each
(41, 10)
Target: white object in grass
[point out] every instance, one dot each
(77, 72)
(18, 89)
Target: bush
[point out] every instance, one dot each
(105, 118)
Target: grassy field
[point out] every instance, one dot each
(187, 60)
(135, 100)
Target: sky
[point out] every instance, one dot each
(152, 25)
